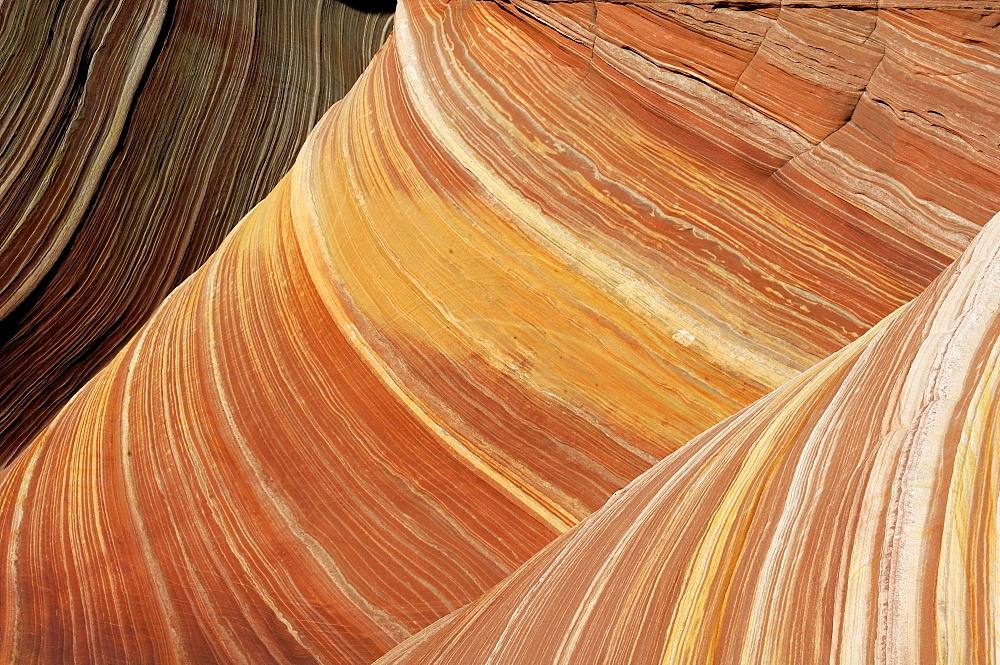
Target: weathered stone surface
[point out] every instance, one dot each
(537, 248)
(136, 134)
(849, 516)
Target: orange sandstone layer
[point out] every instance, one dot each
(513, 269)
(848, 517)
(886, 105)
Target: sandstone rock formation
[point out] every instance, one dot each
(848, 517)
(537, 248)
(136, 135)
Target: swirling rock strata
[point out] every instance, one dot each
(136, 135)
(886, 105)
(510, 271)
(848, 517)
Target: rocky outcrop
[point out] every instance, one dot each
(136, 135)
(536, 249)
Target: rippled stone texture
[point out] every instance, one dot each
(536, 249)
(136, 135)
(850, 517)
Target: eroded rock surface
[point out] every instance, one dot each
(136, 135)
(537, 248)
(847, 517)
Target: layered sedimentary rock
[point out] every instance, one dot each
(536, 249)
(889, 109)
(848, 517)
(136, 134)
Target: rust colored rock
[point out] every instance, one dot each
(537, 248)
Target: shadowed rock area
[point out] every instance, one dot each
(136, 135)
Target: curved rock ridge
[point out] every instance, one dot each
(506, 275)
(136, 134)
(887, 105)
(848, 517)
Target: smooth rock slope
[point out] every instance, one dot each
(536, 249)
(848, 517)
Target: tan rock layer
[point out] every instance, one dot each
(848, 517)
(136, 136)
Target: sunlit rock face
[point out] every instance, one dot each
(848, 517)
(536, 249)
(135, 136)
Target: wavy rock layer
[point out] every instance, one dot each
(511, 270)
(136, 136)
(848, 517)
(888, 109)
